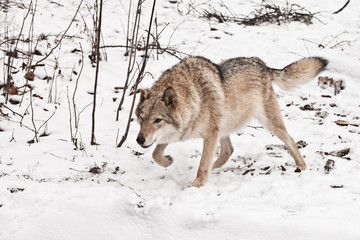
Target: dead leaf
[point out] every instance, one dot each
(340, 153)
(95, 170)
(309, 107)
(338, 85)
(13, 101)
(342, 123)
(15, 190)
(325, 81)
(38, 96)
(13, 91)
(322, 114)
(329, 166)
(30, 76)
(301, 144)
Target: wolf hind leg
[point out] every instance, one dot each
(226, 149)
(274, 123)
(282, 134)
(158, 156)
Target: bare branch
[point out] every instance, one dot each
(93, 142)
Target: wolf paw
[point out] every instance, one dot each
(169, 159)
(301, 167)
(165, 161)
(197, 183)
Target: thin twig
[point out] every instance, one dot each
(76, 86)
(32, 117)
(73, 169)
(70, 115)
(47, 120)
(15, 113)
(342, 7)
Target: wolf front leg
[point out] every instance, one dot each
(209, 149)
(158, 156)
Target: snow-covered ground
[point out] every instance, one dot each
(48, 192)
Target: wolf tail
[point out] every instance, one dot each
(299, 72)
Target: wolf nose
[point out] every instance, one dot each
(140, 140)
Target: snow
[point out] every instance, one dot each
(47, 191)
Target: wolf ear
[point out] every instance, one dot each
(169, 97)
(144, 94)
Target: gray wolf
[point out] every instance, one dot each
(199, 99)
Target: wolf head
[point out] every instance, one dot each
(156, 113)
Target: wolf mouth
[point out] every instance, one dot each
(147, 146)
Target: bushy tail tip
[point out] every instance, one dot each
(300, 72)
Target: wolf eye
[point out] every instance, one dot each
(157, 120)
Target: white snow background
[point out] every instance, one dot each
(47, 191)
